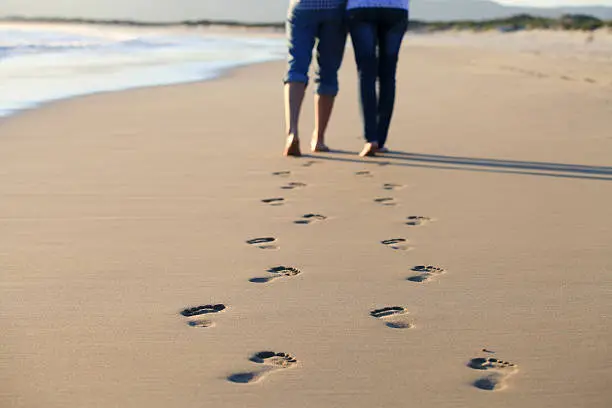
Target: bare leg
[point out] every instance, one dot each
(324, 104)
(294, 95)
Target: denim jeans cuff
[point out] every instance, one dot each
(293, 77)
(323, 89)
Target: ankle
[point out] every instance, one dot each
(318, 137)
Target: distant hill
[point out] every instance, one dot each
(445, 10)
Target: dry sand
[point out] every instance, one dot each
(120, 210)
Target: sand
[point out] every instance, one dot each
(121, 210)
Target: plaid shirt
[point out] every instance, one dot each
(401, 4)
(317, 4)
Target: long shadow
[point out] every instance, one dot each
(397, 158)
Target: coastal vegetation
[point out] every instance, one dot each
(575, 22)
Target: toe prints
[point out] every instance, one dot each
(425, 273)
(392, 186)
(393, 316)
(417, 220)
(399, 244)
(270, 358)
(200, 310)
(194, 312)
(498, 372)
(285, 173)
(310, 218)
(275, 202)
(263, 243)
(363, 173)
(277, 272)
(310, 163)
(387, 201)
(271, 361)
(293, 185)
(388, 311)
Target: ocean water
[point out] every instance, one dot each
(42, 63)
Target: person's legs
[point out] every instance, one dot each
(324, 104)
(330, 52)
(294, 96)
(364, 33)
(301, 32)
(394, 23)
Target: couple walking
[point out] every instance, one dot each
(377, 28)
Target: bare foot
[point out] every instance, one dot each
(292, 146)
(369, 149)
(318, 144)
(319, 147)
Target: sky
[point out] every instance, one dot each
(176, 10)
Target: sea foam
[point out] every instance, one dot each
(42, 63)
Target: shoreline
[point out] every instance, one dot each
(210, 70)
(558, 43)
(227, 72)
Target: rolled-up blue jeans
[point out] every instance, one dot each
(325, 29)
(377, 35)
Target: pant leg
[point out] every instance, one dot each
(301, 35)
(394, 23)
(364, 35)
(330, 50)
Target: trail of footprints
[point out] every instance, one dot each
(495, 373)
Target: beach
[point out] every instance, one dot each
(471, 266)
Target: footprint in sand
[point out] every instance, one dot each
(275, 202)
(293, 185)
(393, 316)
(270, 361)
(263, 243)
(364, 173)
(498, 372)
(310, 218)
(385, 201)
(393, 186)
(425, 273)
(202, 310)
(418, 220)
(277, 272)
(396, 243)
(310, 163)
(285, 173)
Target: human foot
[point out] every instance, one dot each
(292, 146)
(318, 147)
(369, 149)
(317, 144)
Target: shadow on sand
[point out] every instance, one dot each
(431, 161)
